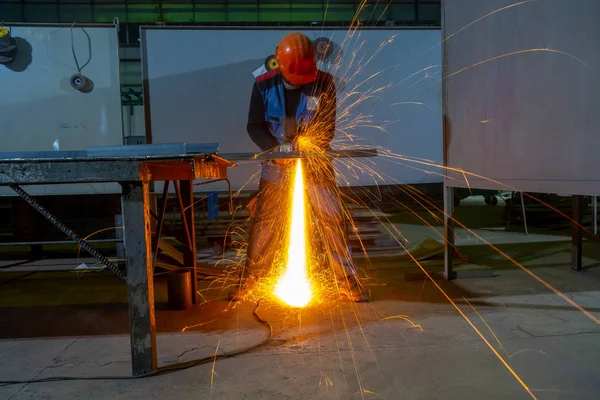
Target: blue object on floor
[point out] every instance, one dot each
(213, 205)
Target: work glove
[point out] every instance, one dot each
(286, 147)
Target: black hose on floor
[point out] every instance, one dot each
(162, 370)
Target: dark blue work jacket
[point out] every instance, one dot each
(311, 101)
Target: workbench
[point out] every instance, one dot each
(134, 171)
(134, 167)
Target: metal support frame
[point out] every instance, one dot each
(448, 233)
(140, 277)
(450, 250)
(120, 248)
(509, 212)
(576, 236)
(185, 233)
(187, 215)
(523, 211)
(160, 220)
(595, 214)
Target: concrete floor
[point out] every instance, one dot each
(410, 342)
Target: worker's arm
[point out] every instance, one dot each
(257, 127)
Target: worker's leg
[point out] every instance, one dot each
(331, 222)
(268, 226)
(326, 208)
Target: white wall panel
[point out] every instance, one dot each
(522, 95)
(40, 111)
(200, 80)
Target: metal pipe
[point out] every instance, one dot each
(179, 289)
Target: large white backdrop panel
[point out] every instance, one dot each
(40, 111)
(529, 120)
(200, 80)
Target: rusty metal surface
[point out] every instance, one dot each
(103, 170)
(140, 280)
(209, 169)
(48, 172)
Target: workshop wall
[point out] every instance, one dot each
(522, 109)
(203, 95)
(44, 109)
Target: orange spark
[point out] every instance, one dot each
(293, 287)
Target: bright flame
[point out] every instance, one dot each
(293, 286)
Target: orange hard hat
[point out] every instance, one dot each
(296, 58)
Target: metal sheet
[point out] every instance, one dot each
(162, 149)
(40, 111)
(522, 90)
(29, 155)
(356, 153)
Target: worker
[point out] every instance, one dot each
(293, 100)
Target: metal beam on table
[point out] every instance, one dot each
(350, 153)
(140, 280)
(576, 235)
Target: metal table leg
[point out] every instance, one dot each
(448, 232)
(576, 238)
(140, 282)
(523, 211)
(187, 214)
